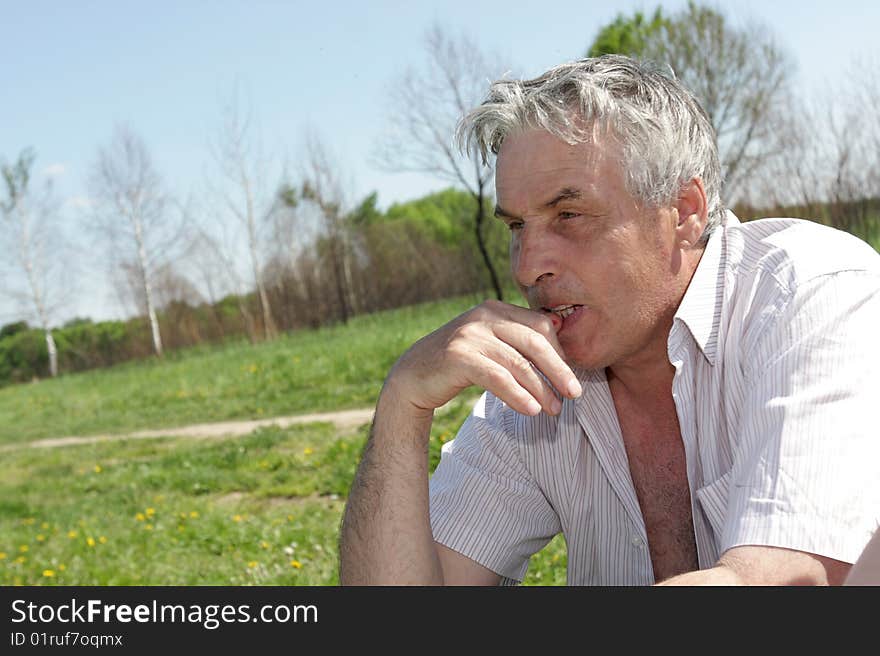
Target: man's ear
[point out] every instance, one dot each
(693, 213)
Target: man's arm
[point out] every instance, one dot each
(391, 490)
(386, 533)
(759, 565)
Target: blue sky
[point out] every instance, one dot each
(73, 70)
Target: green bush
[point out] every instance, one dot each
(23, 356)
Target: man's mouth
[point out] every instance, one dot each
(562, 311)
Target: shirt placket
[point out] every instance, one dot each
(598, 418)
(683, 395)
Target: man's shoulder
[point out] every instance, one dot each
(795, 251)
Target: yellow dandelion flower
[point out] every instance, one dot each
(236, 518)
(23, 548)
(290, 518)
(44, 525)
(151, 512)
(194, 514)
(102, 540)
(252, 368)
(296, 564)
(41, 537)
(72, 534)
(308, 451)
(28, 521)
(90, 541)
(48, 573)
(62, 567)
(140, 517)
(148, 527)
(98, 469)
(264, 544)
(20, 560)
(2, 555)
(253, 564)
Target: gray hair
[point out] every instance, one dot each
(665, 135)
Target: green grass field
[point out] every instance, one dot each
(263, 509)
(333, 368)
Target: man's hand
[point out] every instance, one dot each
(499, 347)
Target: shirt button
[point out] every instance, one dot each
(637, 541)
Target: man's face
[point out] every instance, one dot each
(582, 246)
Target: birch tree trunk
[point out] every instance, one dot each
(148, 289)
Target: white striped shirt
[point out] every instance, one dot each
(775, 350)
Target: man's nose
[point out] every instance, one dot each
(533, 257)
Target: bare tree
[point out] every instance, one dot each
(831, 169)
(424, 110)
(740, 75)
(243, 168)
(217, 269)
(322, 187)
(132, 211)
(28, 216)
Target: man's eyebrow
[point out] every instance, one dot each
(502, 214)
(568, 193)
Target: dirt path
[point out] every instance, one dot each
(344, 420)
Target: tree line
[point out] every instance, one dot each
(316, 256)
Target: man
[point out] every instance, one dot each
(689, 399)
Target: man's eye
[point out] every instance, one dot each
(514, 225)
(568, 215)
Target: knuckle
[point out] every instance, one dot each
(521, 365)
(485, 309)
(535, 342)
(545, 325)
(496, 377)
(466, 332)
(457, 349)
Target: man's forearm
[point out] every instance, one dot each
(386, 532)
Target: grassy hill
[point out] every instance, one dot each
(263, 509)
(332, 368)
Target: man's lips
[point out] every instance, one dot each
(562, 310)
(559, 313)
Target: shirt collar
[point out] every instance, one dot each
(700, 309)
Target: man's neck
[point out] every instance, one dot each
(647, 380)
(650, 373)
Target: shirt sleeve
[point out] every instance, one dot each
(806, 471)
(484, 502)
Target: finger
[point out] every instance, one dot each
(541, 322)
(538, 349)
(501, 382)
(526, 375)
